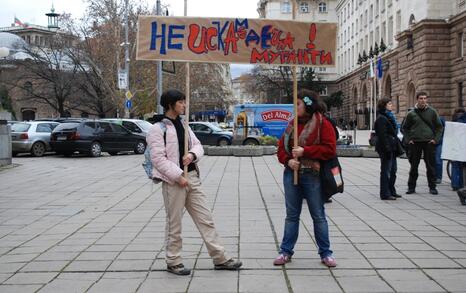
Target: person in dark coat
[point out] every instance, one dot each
(423, 131)
(386, 133)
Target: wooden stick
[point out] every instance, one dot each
(295, 100)
(186, 112)
(186, 120)
(295, 121)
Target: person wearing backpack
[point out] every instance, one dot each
(423, 131)
(386, 133)
(166, 143)
(316, 142)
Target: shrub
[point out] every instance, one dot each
(268, 140)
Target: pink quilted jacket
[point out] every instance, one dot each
(166, 157)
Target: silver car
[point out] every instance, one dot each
(32, 137)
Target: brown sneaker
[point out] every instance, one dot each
(231, 265)
(179, 270)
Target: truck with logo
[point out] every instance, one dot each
(254, 120)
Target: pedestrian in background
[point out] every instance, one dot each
(438, 155)
(423, 130)
(316, 142)
(386, 146)
(169, 158)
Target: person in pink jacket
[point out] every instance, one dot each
(166, 144)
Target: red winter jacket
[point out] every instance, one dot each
(326, 150)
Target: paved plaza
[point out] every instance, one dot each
(97, 225)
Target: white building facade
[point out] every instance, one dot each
(362, 23)
(308, 11)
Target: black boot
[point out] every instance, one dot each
(462, 196)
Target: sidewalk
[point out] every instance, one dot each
(97, 225)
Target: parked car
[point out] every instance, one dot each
(344, 138)
(209, 134)
(31, 137)
(62, 119)
(134, 125)
(93, 137)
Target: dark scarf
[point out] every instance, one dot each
(178, 123)
(391, 118)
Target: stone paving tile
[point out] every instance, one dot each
(88, 266)
(313, 281)
(45, 266)
(71, 282)
(410, 281)
(163, 282)
(30, 278)
(19, 288)
(214, 281)
(361, 281)
(391, 263)
(124, 285)
(435, 263)
(262, 281)
(452, 280)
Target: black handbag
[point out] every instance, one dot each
(399, 150)
(331, 178)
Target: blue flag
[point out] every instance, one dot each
(379, 68)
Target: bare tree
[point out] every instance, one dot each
(48, 75)
(277, 82)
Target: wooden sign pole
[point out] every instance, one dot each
(295, 121)
(186, 112)
(295, 103)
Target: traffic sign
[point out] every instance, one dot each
(122, 78)
(128, 104)
(128, 95)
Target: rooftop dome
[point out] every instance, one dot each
(12, 42)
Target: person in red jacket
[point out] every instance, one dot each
(316, 142)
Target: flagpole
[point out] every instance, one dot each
(371, 66)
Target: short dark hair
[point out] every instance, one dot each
(170, 97)
(317, 104)
(382, 104)
(421, 94)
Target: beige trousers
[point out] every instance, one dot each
(192, 198)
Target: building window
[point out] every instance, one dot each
(324, 92)
(322, 7)
(286, 7)
(390, 30)
(460, 45)
(304, 7)
(397, 104)
(460, 95)
(398, 21)
(371, 13)
(377, 7)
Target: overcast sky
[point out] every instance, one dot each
(33, 11)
